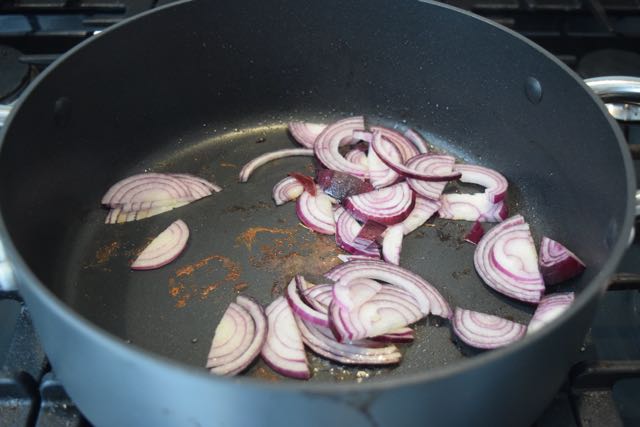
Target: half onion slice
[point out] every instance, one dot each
(316, 212)
(485, 331)
(305, 133)
(506, 260)
(557, 263)
(347, 229)
(238, 338)
(286, 190)
(428, 298)
(417, 140)
(248, 169)
(392, 244)
(389, 205)
(550, 307)
(283, 350)
(471, 207)
(496, 184)
(166, 247)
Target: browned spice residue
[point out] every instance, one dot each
(182, 290)
(248, 236)
(266, 374)
(240, 286)
(104, 254)
(228, 165)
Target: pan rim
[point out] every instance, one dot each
(110, 342)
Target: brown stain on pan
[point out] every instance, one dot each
(183, 286)
(248, 237)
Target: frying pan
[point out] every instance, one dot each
(203, 87)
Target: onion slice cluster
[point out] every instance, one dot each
(166, 247)
(147, 194)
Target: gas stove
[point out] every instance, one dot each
(593, 37)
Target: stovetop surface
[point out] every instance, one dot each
(594, 37)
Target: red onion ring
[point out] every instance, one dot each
(417, 140)
(316, 212)
(422, 211)
(307, 182)
(389, 205)
(283, 350)
(305, 133)
(496, 184)
(319, 297)
(392, 244)
(402, 169)
(301, 309)
(146, 187)
(248, 169)
(166, 247)
(557, 263)
(357, 156)
(550, 307)
(428, 298)
(486, 331)
(380, 174)
(328, 142)
(432, 164)
(512, 274)
(401, 335)
(475, 234)
(407, 148)
(286, 190)
(347, 229)
(471, 207)
(128, 212)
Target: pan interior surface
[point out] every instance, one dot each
(222, 94)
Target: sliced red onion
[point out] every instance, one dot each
(328, 142)
(472, 207)
(340, 185)
(286, 190)
(192, 178)
(319, 297)
(321, 341)
(550, 307)
(417, 140)
(305, 133)
(370, 235)
(380, 174)
(392, 244)
(407, 148)
(428, 298)
(475, 234)
(303, 284)
(128, 212)
(307, 182)
(247, 170)
(486, 331)
(506, 260)
(164, 248)
(301, 309)
(283, 350)
(399, 335)
(389, 205)
(147, 187)
(347, 228)
(238, 339)
(432, 164)
(496, 184)
(353, 294)
(316, 212)
(422, 211)
(347, 258)
(557, 263)
(373, 312)
(400, 168)
(357, 156)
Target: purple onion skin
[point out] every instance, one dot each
(554, 272)
(340, 185)
(475, 234)
(370, 234)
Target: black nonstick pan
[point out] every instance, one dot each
(202, 88)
